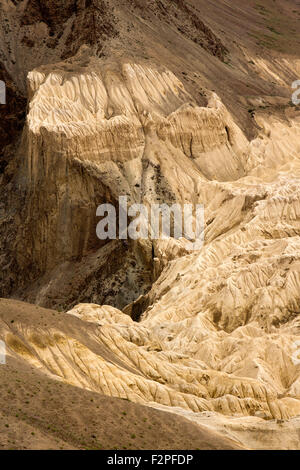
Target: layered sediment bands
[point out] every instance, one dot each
(192, 368)
(211, 334)
(217, 329)
(95, 133)
(106, 129)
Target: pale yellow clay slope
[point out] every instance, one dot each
(218, 327)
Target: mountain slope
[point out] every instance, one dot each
(174, 102)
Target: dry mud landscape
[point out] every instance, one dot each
(144, 344)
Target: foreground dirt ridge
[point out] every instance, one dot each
(202, 114)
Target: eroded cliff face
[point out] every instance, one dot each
(209, 334)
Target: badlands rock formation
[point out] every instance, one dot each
(200, 114)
